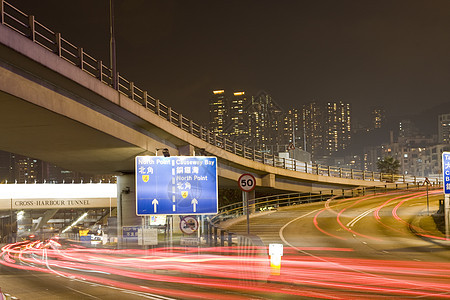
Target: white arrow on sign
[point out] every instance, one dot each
(194, 202)
(155, 203)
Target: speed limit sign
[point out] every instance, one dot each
(247, 182)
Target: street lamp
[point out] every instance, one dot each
(112, 47)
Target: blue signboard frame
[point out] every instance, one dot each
(176, 185)
(446, 171)
(130, 232)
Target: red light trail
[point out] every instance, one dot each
(242, 273)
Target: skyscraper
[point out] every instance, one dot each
(292, 128)
(407, 128)
(337, 127)
(378, 115)
(6, 166)
(444, 129)
(327, 127)
(27, 169)
(236, 127)
(312, 119)
(218, 111)
(265, 122)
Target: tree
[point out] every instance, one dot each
(388, 165)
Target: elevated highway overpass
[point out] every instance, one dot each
(58, 106)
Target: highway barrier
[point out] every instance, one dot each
(215, 229)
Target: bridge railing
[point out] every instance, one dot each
(269, 203)
(54, 42)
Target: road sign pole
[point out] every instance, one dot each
(245, 209)
(446, 182)
(447, 215)
(248, 212)
(428, 203)
(247, 183)
(171, 232)
(243, 204)
(199, 230)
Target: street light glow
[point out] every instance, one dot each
(76, 222)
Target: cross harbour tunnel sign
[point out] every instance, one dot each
(178, 185)
(57, 196)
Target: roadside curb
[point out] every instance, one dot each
(417, 222)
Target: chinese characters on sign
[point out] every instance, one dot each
(176, 185)
(446, 171)
(130, 232)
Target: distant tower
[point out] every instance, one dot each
(407, 128)
(327, 127)
(337, 127)
(236, 127)
(6, 166)
(27, 169)
(378, 117)
(312, 118)
(444, 129)
(265, 121)
(218, 111)
(292, 125)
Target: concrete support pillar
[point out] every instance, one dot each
(12, 226)
(126, 204)
(268, 180)
(186, 150)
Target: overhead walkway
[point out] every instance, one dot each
(57, 196)
(50, 208)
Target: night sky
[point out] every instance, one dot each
(393, 53)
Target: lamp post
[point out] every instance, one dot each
(112, 46)
(427, 182)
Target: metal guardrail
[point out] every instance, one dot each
(27, 26)
(218, 235)
(273, 202)
(268, 203)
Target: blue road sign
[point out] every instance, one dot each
(85, 238)
(446, 171)
(130, 232)
(177, 185)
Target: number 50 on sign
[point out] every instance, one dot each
(247, 182)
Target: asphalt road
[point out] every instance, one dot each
(389, 240)
(36, 285)
(393, 233)
(368, 247)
